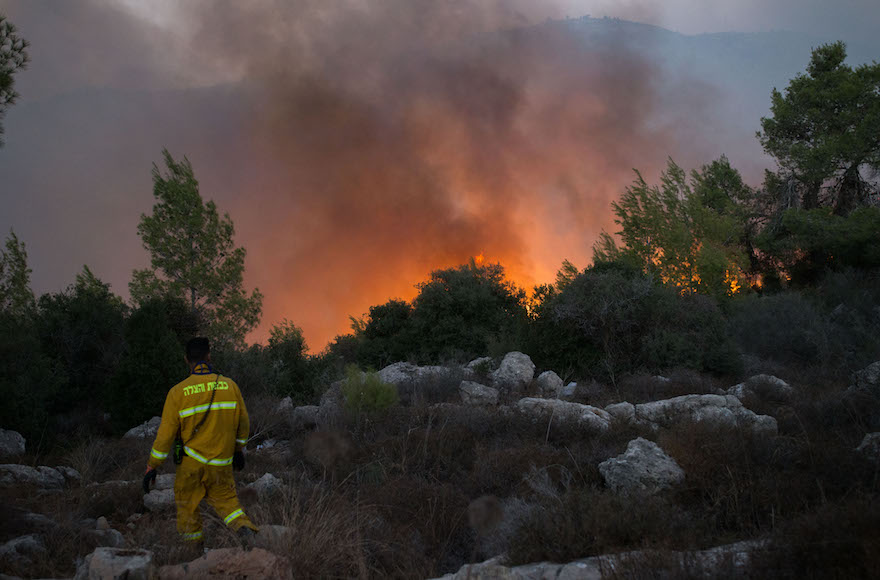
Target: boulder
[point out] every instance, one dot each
(622, 412)
(765, 386)
(731, 560)
(866, 381)
(642, 469)
(165, 481)
(868, 378)
(267, 486)
(402, 373)
(39, 521)
(585, 416)
(515, 373)
(284, 406)
(870, 447)
(71, 475)
(22, 551)
(724, 410)
(108, 538)
(305, 417)
(12, 475)
(550, 385)
(478, 369)
(568, 391)
(116, 563)
(229, 564)
(159, 500)
(11, 443)
(477, 395)
(146, 430)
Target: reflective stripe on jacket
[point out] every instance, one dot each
(224, 430)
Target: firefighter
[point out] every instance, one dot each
(204, 415)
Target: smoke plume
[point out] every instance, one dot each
(359, 144)
(402, 136)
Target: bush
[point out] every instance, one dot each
(29, 380)
(834, 327)
(460, 311)
(83, 329)
(607, 321)
(153, 364)
(366, 393)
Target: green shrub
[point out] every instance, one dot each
(607, 321)
(366, 393)
(153, 364)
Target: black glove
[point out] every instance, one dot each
(149, 477)
(238, 460)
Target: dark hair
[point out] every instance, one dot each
(197, 349)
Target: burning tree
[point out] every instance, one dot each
(691, 234)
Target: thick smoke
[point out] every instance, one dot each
(357, 145)
(402, 136)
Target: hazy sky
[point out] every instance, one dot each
(360, 144)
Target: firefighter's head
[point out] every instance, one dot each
(198, 350)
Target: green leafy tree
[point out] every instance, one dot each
(612, 319)
(460, 312)
(387, 335)
(29, 380)
(152, 364)
(13, 57)
(16, 296)
(82, 328)
(824, 133)
(693, 234)
(193, 257)
(288, 357)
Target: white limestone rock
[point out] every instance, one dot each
(23, 550)
(116, 563)
(870, 447)
(165, 481)
(478, 368)
(717, 562)
(305, 417)
(623, 412)
(109, 538)
(550, 385)
(586, 416)
(267, 486)
(285, 405)
(12, 475)
(515, 373)
(146, 430)
(766, 386)
(868, 378)
(159, 500)
(477, 395)
(11, 443)
(716, 409)
(402, 373)
(643, 468)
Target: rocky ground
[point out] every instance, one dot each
(489, 470)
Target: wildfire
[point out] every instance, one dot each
(479, 259)
(686, 277)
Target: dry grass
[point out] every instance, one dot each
(390, 496)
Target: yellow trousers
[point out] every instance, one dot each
(195, 481)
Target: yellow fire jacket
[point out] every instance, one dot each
(225, 429)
